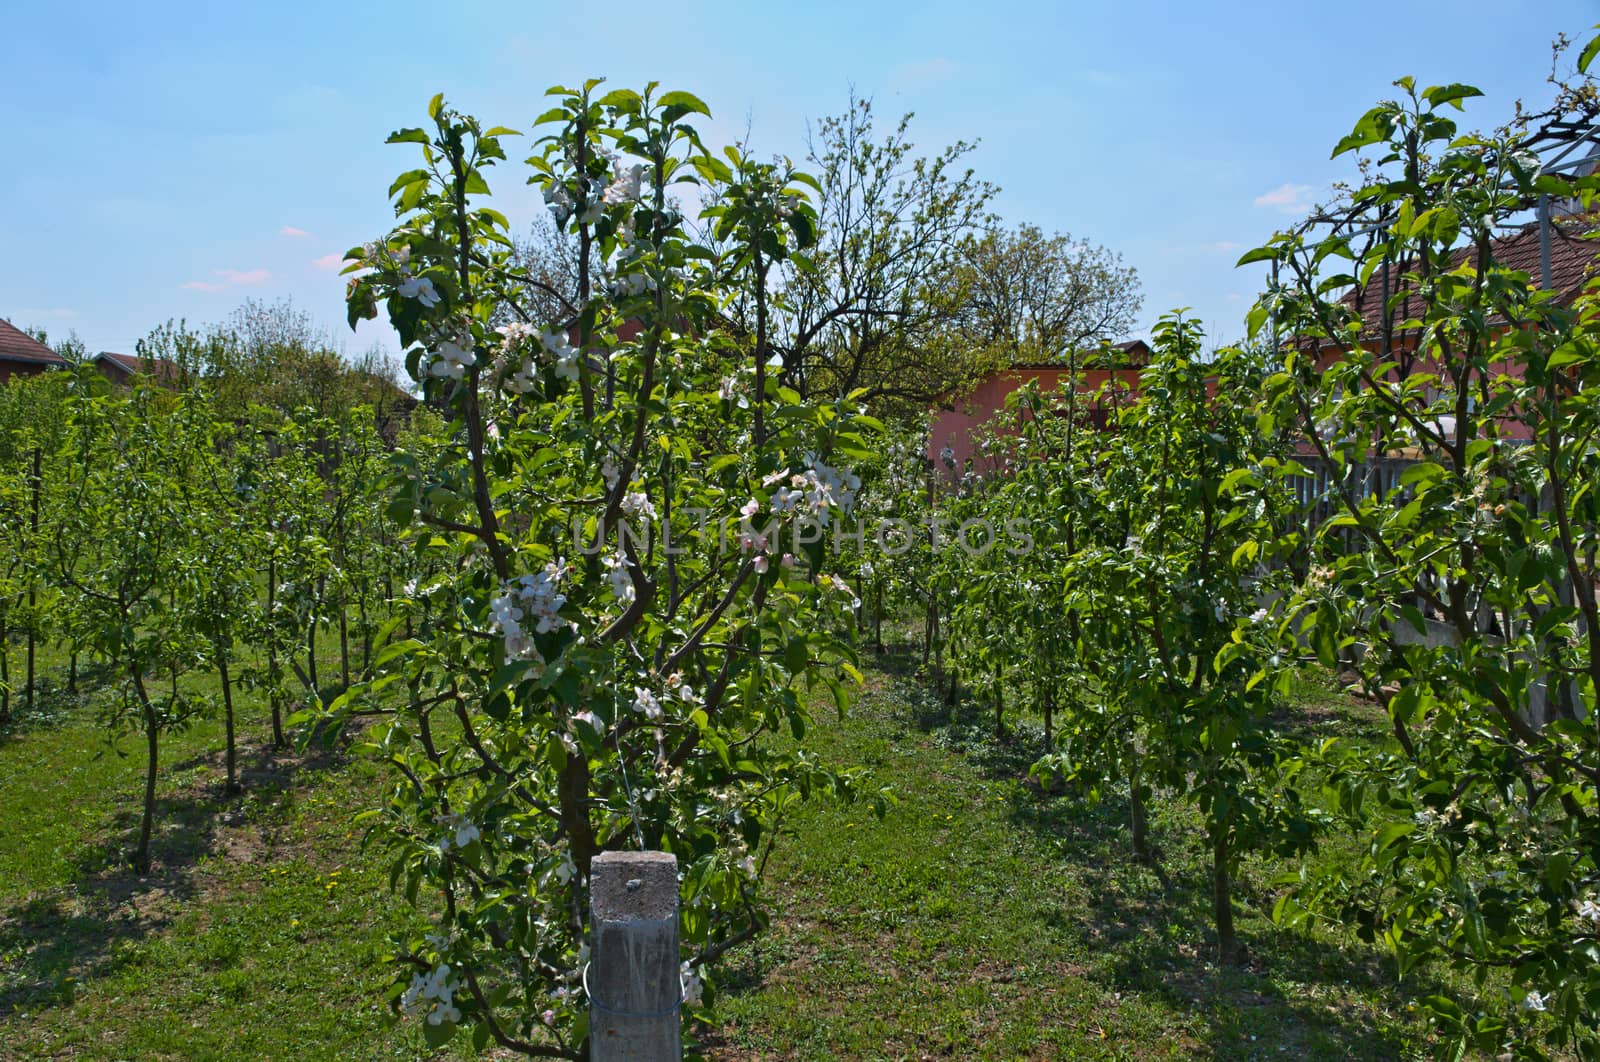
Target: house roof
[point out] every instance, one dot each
(1572, 262)
(18, 346)
(161, 369)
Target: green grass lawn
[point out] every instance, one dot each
(257, 933)
(980, 919)
(983, 919)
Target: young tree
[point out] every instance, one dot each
(122, 475)
(575, 684)
(1464, 591)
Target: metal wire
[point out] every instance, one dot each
(603, 1008)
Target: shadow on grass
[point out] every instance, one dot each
(54, 704)
(1149, 929)
(51, 943)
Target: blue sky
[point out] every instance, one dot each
(173, 161)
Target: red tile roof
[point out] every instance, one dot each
(17, 345)
(1572, 261)
(126, 365)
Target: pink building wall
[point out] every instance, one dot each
(960, 425)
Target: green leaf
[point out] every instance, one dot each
(795, 654)
(1390, 834)
(1565, 355)
(688, 101)
(438, 1035)
(1586, 57)
(407, 136)
(1439, 95)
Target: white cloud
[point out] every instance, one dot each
(330, 263)
(1224, 246)
(1288, 198)
(231, 278)
(290, 230)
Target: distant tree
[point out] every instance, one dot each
(546, 262)
(274, 355)
(869, 306)
(1028, 297)
(71, 348)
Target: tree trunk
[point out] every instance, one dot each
(311, 655)
(33, 602)
(999, 703)
(5, 674)
(1136, 809)
(366, 638)
(227, 714)
(152, 737)
(33, 586)
(877, 620)
(1222, 896)
(272, 653)
(344, 640)
(72, 671)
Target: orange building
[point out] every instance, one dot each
(959, 425)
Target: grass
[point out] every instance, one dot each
(257, 934)
(985, 919)
(980, 919)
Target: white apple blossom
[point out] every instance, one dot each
(556, 343)
(559, 200)
(419, 288)
(693, 989)
(538, 596)
(433, 995)
(625, 184)
(1533, 1001)
(646, 704)
(635, 283)
(1589, 909)
(637, 503)
(459, 831)
(567, 366)
(516, 332)
(617, 575)
(524, 379)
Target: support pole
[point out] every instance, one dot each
(635, 996)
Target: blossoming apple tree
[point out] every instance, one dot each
(613, 625)
(1463, 593)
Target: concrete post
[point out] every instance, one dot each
(634, 993)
